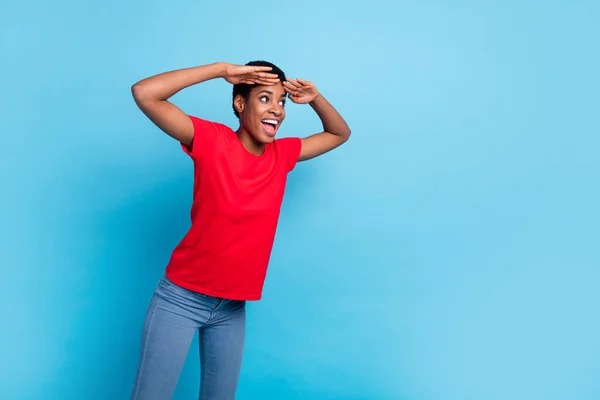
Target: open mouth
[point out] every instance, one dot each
(270, 126)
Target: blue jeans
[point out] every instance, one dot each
(173, 317)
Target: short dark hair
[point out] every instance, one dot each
(243, 89)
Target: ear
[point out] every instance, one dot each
(239, 103)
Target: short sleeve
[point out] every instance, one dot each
(205, 137)
(289, 150)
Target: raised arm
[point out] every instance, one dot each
(335, 130)
(152, 94)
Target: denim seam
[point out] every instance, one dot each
(203, 389)
(144, 351)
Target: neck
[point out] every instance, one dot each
(249, 142)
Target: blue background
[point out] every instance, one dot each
(450, 250)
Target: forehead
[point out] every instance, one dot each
(277, 90)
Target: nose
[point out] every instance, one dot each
(276, 109)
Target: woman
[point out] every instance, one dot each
(239, 181)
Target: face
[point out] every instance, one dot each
(262, 113)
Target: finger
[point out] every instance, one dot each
(255, 79)
(290, 89)
(303, 82)
(306, 84)
(265, 82)
(293, 83)
(261, 69)
(265, 75)
(273, 81)
(267, 78)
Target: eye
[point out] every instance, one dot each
(282, 103)
(264, 99)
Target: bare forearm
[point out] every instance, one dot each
(165, 85)
(332, 121)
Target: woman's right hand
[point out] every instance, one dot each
(249, 75)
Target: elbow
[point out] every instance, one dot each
(342, 133)
(137, 91)
(346, 134)
(143, 91)
(345, 131)
(342, 136)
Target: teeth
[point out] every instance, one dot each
(270, 121)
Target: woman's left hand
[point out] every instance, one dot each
(300, 91)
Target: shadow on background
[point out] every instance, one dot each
(130, 244)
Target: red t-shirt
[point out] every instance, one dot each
(236, 203)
